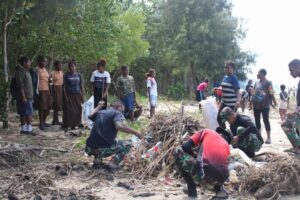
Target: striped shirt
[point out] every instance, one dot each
(230, 85)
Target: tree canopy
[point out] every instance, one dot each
(184, 40)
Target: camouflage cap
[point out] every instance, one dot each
(225, 113)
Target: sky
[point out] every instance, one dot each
(273, 33)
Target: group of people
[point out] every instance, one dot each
(208, 164)
(40, 90)
(260, 97)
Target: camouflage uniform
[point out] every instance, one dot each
(119, 150)
(198, 170)
(250, 144)
(187, 164)
(290, 127)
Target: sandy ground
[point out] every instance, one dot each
(88, 184)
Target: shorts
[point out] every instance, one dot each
(25, 109)
(128, 102)
(153, 100)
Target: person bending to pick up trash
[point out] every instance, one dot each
(245, 134)
(291, 125)
(102, 141)
(208, 165)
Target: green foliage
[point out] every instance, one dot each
(84, 30)
(184, 40)
(133, 28)
(190, 40)
(176, 91)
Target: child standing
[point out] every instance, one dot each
(152, 91)
(100, 80)
(284, 101)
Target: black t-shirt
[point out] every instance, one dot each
(104, 132)
(245, 122)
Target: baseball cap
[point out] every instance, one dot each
(225, 113)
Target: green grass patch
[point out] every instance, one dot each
(81, 142)
(139, 125)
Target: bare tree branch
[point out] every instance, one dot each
(11, 17)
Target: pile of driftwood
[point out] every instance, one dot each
(170, 130)
(281, 175)
(16, 154)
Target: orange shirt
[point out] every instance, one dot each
(58, 77)
(43, 79)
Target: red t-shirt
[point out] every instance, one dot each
(218, 91)
(202, 86)
(215, 148)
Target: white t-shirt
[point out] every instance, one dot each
(151, 83)
(99, 79)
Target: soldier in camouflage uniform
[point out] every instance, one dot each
(291, 124)
(291, 127)
(102, 141)
(209, 165)
(245, 135)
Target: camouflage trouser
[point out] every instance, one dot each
(186, 163)
(199, 171)
(119, 150)
(250, 144)
(290, 127)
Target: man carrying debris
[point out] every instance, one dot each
(245, 134)
(291, 125)
(102, 141)
(209, 165)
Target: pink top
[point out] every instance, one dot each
(202, 86)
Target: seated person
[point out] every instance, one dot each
(208, 165)
(102, 141)
(245, 134)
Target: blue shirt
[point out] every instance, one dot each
(230, 85)
(104, 131)
(73, 82)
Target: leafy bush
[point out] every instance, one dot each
(176, 91)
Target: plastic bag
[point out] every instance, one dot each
(210, 113)
(240, 156)
(87, 108)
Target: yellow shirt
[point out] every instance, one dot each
(57, 77)
(43, 79)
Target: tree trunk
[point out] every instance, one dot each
(5, 65)
(50, 67)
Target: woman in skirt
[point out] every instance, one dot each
(57, 77)
(73, 97)
(43, 91)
